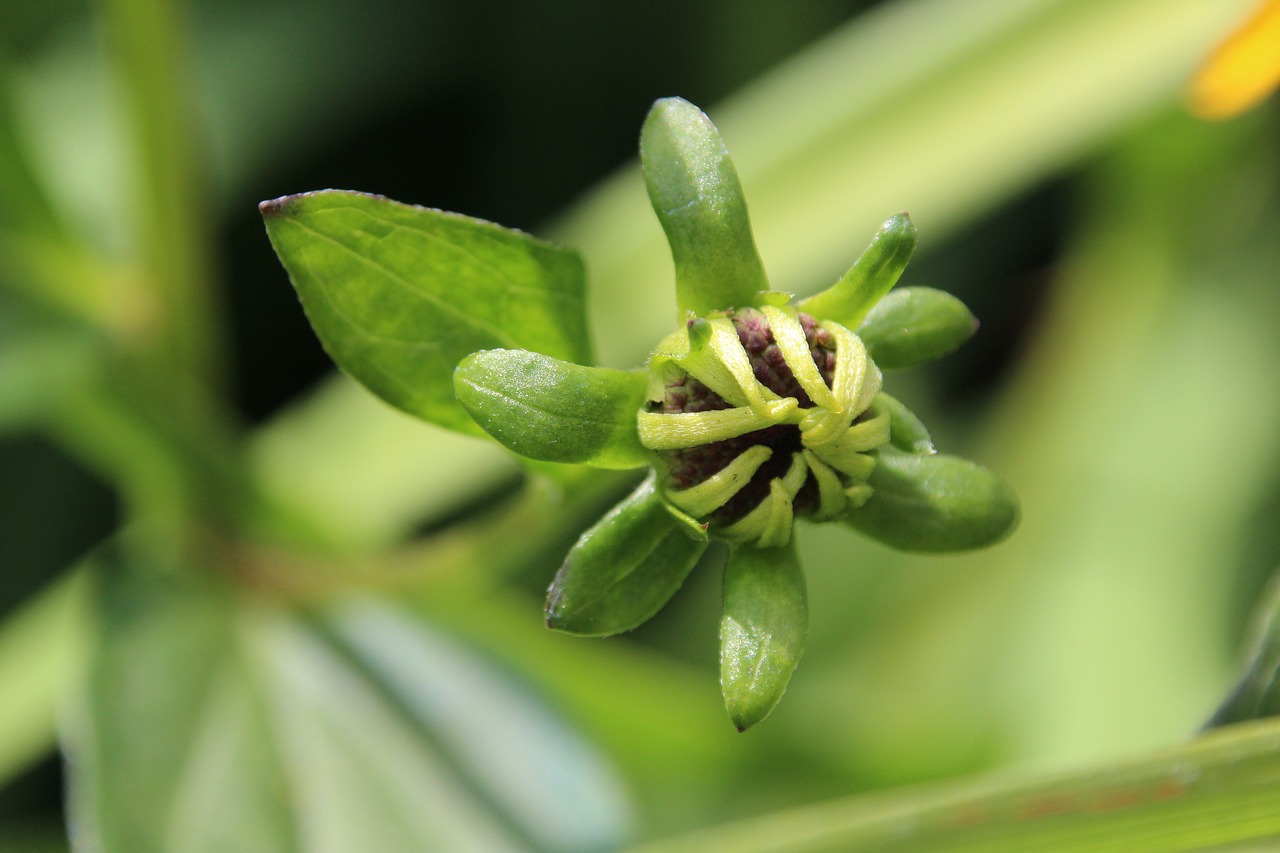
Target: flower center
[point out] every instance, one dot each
(759, 415)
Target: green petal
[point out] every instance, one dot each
(695, 192)
(872, 276)
(915, 325)
(624, 569)
(762, 632)
(399, 294)
(554, 411)
(935, 503)
(906, 431)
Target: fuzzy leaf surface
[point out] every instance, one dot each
(552, 410)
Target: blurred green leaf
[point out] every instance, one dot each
(624, 568)
(211, 723)
(1257, 694)
(158, 646)
(400, 294)
(1217, 790)
(38, 369)
(915, 325)
(554, 411)
(696, 194)
(762, 631)
(41, 648)
(873, 275)
(504, 744)
(150, 54)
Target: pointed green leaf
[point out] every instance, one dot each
(624, 569)
(554, 411)
(872, 276)
(906, 431)
(695, 191)
(762, 631)
(915, 325)
(400, 294)
(935, 503)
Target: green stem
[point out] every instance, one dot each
(149, 47)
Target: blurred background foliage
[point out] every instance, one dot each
(264, 612)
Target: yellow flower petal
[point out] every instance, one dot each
(1243, 70)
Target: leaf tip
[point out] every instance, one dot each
(278, 206)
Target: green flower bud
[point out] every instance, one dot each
(757, 416)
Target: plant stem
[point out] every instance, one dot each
(149, 46)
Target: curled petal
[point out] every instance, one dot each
(790, 337)
(723, 366)
(715, 491)
(690, 429)
(769, 524)
(831, 495)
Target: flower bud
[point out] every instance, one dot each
(757, 416)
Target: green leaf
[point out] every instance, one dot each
(624, 569)
(762, 631)
(554, 411)
(42, 646)
(1257, 694)
(695, 191)
(399, 294)
(872, 276)
(502, 742)
(159, 648)
(906, 431)
(935, 503)
(914, 325)
(211, 724)
(1216, 791)
(41, 367)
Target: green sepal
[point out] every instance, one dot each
(624, 569)
(762, 631)
(695, 191)
(935, 503)
(915, 325)
(554, 411)
(399, 294)
(872, 276)
(906, 431)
